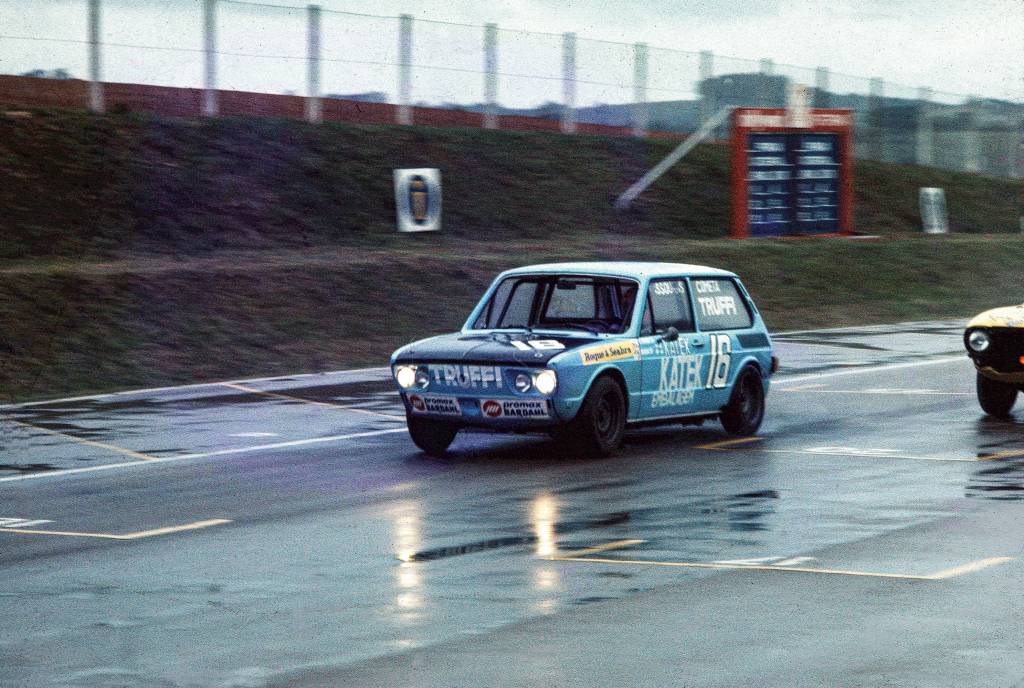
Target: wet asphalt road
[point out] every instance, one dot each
(287, 532)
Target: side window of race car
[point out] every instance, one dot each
(720, 306)
(670, 305)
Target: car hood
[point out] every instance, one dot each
(496, 347)
(1010, 316)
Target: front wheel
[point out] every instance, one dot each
(996, 398)
(432, 436)
(601, 421)
(745, 411)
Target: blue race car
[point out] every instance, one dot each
(580, 350)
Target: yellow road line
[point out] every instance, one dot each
(198, 525)
(82, 440)
(1012, 454)
(325, 404)
(618, 544)
(941, 575)
(729, 443)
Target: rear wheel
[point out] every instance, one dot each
(433, 437)
(601, 421)
(745, 411)
(996, 398)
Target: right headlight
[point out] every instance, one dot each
(545, 381)
(978, 341)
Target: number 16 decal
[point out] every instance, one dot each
(721, 357)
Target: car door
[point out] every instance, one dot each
(672, 352)
(725, 320)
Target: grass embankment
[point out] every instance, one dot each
(137, 251)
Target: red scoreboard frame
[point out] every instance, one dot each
(747, 121)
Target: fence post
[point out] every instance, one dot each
(640, 110)
(490, 76)
(972, 138)
(876, 92)
(568, 83)
(404, 112)
(95, 68)
(314, 107)
(209, 58)
(822, 86)
(705, 73)
(925, 146)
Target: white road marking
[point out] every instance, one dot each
(21, 522)
(183, 457)
(873, 369)
(196, 385)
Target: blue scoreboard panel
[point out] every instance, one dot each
(793, 183)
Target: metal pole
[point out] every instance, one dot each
(640, 110)
(314, 107)
(629, 195)
(822, 92)
(95, 67)
(972, 138)
(568, 83)
(705, 73)
(404, 114)
(876, 92)
(925, 132)
(209, 58)
(490, 76)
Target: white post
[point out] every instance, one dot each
(925, 147)
(822, 92)
(210, 58)
(568, 83)
(490, 76)
(95, 68)
(640, 110)
(763, 92)
(314, 107)
(404, 113)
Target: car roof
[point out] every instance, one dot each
(633, 269)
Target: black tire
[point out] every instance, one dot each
(996, 398)
(432, 436)
(600, 423)
(745, 411)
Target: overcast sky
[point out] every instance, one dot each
(961, 47)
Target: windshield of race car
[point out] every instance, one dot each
(592, 304)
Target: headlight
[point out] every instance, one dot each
(545, 381)
(978, 341)
(523, 382)
(406, 376)
(422, 379)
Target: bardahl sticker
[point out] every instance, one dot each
(527, 408)
(438, 405)
(610, 352)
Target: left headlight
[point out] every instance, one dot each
(545, 381)
(405, 375)
(978, 341)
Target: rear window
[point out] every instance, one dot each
(720, 306)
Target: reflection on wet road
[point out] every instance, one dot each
(339, 542)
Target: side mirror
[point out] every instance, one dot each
(670, 335)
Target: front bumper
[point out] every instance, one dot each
(497, 412)
(1015, 378)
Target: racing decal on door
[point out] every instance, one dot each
(721, 359)
(680, 376)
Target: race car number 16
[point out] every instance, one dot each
(721, 358)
